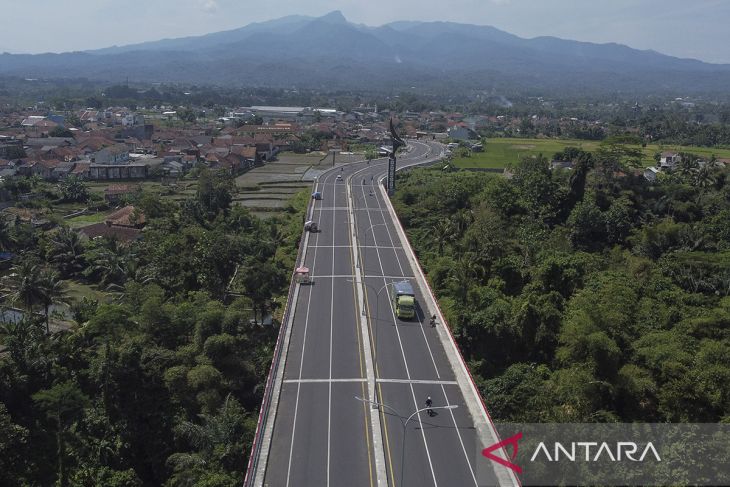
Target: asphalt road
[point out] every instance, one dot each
(322, 434)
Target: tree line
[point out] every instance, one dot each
(583, 295)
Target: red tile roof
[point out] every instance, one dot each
(123, 234)
(80, 167)
(123, 217)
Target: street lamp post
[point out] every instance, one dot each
(377, 294)
(375, 326)
(405, 424)
(405, 437)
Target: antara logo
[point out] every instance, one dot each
(591, 451)
(487, 452)
(622, 449)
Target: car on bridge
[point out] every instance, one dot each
(311, 226)
(301, 276)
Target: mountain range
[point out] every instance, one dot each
(331, 53)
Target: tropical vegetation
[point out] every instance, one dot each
(584, 295)
(159, 383)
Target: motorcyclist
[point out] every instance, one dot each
(433, 320)
(428, 405)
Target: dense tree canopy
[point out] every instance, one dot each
(584, 295)
(159, 383)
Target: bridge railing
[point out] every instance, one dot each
(254, 455)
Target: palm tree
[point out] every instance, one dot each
(27, 345)
(52, 291)
(443, 232)
(24, 283)
(460, 221)
(463, 275)
(137, 272)
(704, 177)
(687, 167)
(277, 235)
(67, 252)
(216, 440)
(109, 266)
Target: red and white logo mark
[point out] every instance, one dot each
(487, 452)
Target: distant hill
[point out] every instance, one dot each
(331, 53)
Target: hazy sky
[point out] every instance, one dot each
(685, 28)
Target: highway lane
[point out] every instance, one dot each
(321, 432)
(321, 436)
(411, 364)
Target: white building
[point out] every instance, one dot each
(669, 160)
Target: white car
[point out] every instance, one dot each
(339, 177)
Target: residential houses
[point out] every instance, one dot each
(461, 132)
(117, 154)
(668, 160)
(124, 225)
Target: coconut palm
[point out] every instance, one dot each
(443, 232)
(217, 439)
(24, 342)
(687, 167)
(460, 221)
(463, 274)
(704, 177)
(67, 252)
(106, 265)
(134, 270)
(52, 291)
(24, 284)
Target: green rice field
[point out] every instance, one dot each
(502, 152)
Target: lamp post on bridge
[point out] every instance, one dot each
(375, 326)
(405, 424)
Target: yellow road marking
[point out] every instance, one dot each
(383, 419)
(362, 366)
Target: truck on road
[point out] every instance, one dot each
(404, 299)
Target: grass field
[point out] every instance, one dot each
(152, 186)
(76, 291)
(83, 220)
(499, 153)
